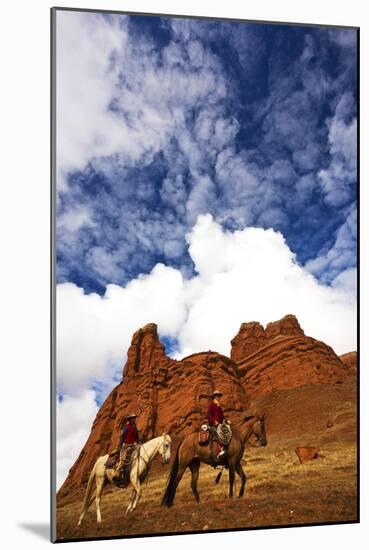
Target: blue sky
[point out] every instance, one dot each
(248, 122)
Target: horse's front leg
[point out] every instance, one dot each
(137, 496)
(136, 491)
(231, 479)
(195, 467)
(130, 504)
(242, 475)
(99, 488)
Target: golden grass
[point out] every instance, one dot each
(279, 491)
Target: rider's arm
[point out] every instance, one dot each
(123, 436)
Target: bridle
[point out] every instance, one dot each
(162, 445)
(165, 444)
(259, 422)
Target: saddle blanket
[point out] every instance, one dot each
(224, 433)
(112, 460)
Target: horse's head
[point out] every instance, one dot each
(258, 431)
(164, 447)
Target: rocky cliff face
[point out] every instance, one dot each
(173, 396)
(288, 362)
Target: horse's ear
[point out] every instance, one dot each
(164, 434)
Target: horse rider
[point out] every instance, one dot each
(130, 437)
(215, 417)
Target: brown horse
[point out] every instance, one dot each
(190, 454)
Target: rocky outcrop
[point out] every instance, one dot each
(146, 352)
(173, 396)
(252, 336)
(287, 326)
(249, 339)
(350, 360)
(281, 356)
(306, 453)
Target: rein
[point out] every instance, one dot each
(147, 462)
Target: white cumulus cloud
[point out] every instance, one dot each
(74, 416)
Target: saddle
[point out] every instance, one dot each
(112, 459)
(204, 435)
(222, 434)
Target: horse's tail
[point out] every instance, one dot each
(170, 491)
(88, 500)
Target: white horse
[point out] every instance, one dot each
(139, 470)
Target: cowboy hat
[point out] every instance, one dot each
(133, 415)
(217, 392)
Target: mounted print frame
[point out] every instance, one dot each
(204, 274)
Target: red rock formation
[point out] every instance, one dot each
(350, 360)
(173, 396)
(282, 357)
(249, 339)
(287, 326)
(252, 336)
(288, 362)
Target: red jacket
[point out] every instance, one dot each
(215, 413)
(129, 434)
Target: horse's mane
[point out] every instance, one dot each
(243, 420)
(238, 427)
(247, 418)
(155, 438)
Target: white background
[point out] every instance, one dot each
(25, 256)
